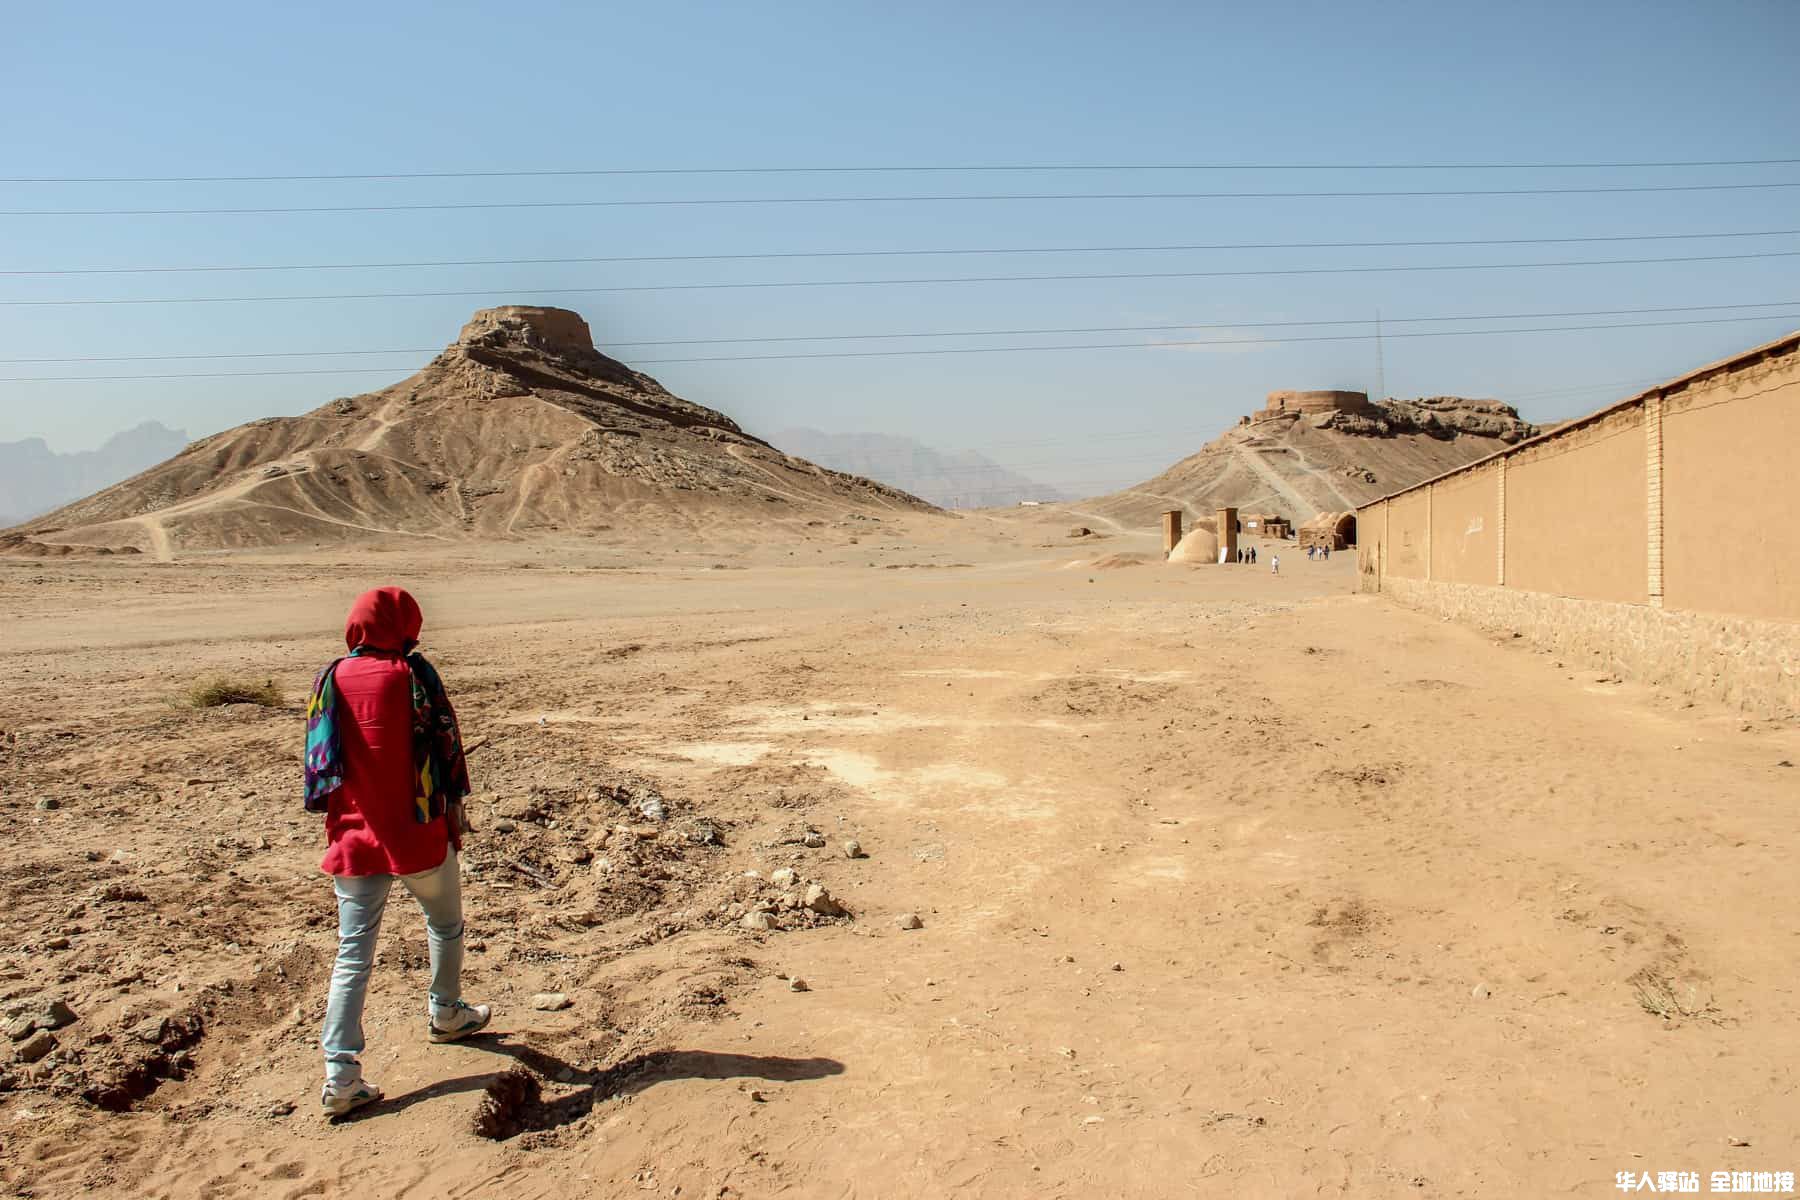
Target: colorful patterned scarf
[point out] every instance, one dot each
(440, 771)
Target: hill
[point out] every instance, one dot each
(519, 427)
(948, 478)
(35, 479)
(1310, 452)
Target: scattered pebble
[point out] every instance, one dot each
(821, 901)
(784, 877)
(581, 854)
(281, 1108)
(56, 1014)
(20, 1028)
(814, 839)
(853, 849)
(56, 943)
(1118, 966)
(551, 1001)
(35, 1047)
(797, 984)
(1740, 1143)
(757, 1096)
(757, 921)
(1480, 992)
(909, 921)
(1066, 1051)
(48, 803)
(504, 826)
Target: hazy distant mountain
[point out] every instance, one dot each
(35, 479)
(949, 479)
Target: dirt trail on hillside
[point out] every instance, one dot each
(1230, 884)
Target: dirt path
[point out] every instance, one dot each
(1231, 885)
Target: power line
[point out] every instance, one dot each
(1008, 197)
(950, 333)
(1343, 337)
(953, 351)
(950, 252)
(830, 283)
(567, 172)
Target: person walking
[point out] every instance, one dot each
(1275, 565)
(385, 765)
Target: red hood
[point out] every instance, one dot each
(387, 618)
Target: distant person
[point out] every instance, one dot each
(384, 763)
(1253, 556)
(1275, 565)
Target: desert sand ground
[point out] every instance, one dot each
(1231, 885)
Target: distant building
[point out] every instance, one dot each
(1267, 525)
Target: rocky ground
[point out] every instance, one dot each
(1015, 876)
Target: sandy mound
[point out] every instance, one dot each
(519, 427)
(1307, 452)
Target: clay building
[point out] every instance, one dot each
(1329, 531)
(1265, 525)
(1298, 404)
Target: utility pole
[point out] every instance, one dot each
(1380, 368)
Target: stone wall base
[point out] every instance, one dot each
(1745, 663)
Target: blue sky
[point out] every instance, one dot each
(113, 89)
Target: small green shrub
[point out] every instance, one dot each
(226, 689)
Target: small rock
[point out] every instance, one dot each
(262, 843)
(20, 1028)
(581, 854)
(550, 1001)
(150, 1029)
(56, 1014)
(909, 921)
(1066, 1052)
(1480, 992)
(504, 826)
(48, 803)
(281, 1108)
(1740, 1143)
(784, 877)
(757, 921)
(814, 840)
(35, 1047)
(797, 984)
(757, 1096)
(821, 901)
(477, 945)
(853, 849)
(56, 943)
(1118, 966)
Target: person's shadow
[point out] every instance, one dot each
(514, 1102)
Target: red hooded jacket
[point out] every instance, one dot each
(370, 820)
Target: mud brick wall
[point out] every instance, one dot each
(1658, 538)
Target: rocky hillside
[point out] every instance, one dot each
(520, 427)
(1297, 461)
(948, 478)
(35, 479)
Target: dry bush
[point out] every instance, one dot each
(228, 689)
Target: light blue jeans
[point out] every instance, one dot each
(361, 901)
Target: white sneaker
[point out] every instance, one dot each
(459, 1021)
(338, 1099)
